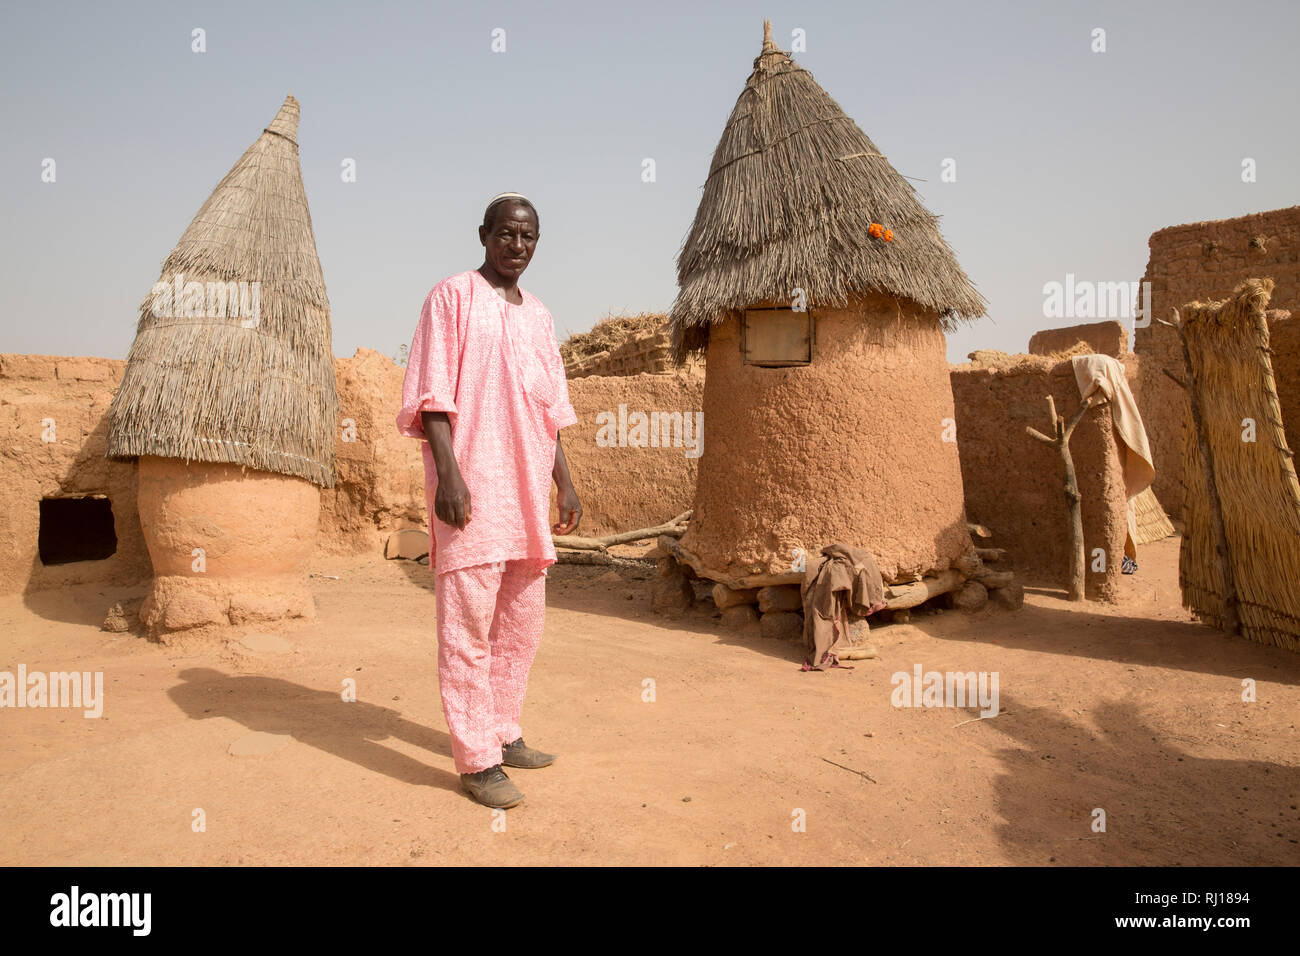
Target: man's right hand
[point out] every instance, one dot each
(451, 501)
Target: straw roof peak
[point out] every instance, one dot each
(792, 190)
(286, 121)
(771, 57)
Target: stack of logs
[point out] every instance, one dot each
(774, 602)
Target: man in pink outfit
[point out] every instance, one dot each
(485, 389)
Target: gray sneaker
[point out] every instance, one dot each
(492, 788)
(519, 754)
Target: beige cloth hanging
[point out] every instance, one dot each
(1101, 373)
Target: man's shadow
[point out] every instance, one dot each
(318, 718)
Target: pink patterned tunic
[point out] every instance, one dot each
(495, 369)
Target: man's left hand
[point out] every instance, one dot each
(570, 509)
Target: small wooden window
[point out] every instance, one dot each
(776, 338)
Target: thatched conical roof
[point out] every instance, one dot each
(250, 383)
(793, 187)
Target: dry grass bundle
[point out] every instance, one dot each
(1228, 342)
(205, 387)
(608, 334)
(793, 187)
(1152, 522)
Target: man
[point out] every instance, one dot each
(485, 389)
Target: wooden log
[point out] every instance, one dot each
(725, 597)
(590, 557)
(672, 528)
(900, 596)
(995, 579)
(577, 543)
(978, 530)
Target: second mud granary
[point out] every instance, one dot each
(819, 289)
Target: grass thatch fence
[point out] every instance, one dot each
(1254, 481)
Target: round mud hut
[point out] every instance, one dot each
(228, 401)
(819, 289)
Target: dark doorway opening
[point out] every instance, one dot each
(76, 529)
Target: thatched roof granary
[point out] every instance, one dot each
(819, 288)
(232, 359)
(229, 403)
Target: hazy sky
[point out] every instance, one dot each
(1066, 159)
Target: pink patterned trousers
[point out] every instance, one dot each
(490, 619)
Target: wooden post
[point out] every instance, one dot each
(1222, 555)
(674, 527)
(1074, 500)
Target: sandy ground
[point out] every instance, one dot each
(1133, 708)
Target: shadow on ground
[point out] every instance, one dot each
(317, 718)
(580, 588)
(1162, 805)
(1074, 631)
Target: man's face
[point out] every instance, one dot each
(511, 240)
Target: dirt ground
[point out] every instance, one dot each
(1131, 708)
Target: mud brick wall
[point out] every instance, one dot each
(73, 394)
(625, 488)
(1105, 338)
(379, 482)
(1014, 483)
(1205, 260)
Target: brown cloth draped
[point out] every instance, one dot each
(844, 586)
